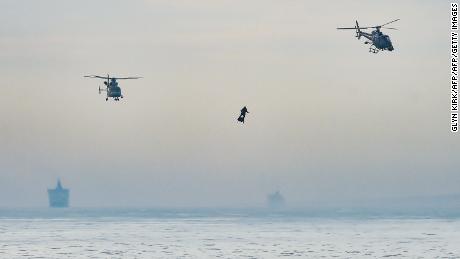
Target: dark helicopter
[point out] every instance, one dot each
(112, 89)
(377, 40)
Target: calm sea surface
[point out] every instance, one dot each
(150, 233)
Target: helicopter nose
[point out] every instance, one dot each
(391, 48)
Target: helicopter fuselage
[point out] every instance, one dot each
(113, 90)
(378, 39)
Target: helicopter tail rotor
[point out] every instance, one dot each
(358, 31)
(102, 89)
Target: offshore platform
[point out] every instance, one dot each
(58, 197)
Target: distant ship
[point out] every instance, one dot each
(276, 200)
(58, 197)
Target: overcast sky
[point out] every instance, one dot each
(329, 122)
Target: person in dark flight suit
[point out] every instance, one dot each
(243, 114)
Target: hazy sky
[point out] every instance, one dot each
(329, 121)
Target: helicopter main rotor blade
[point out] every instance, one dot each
(109, 77)
(389, 22)
(370, 27)
(353, 28)
(94, 76)
(131, 77)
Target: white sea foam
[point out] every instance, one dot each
(229, 237)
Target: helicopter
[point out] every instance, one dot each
(377, 40)
(112, 89)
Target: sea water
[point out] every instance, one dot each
(150, 233)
